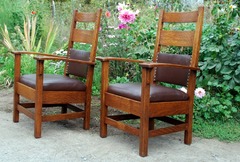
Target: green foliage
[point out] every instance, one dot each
(220, 64)
(11, 13)
(27, 39)
(224, 131)
(27, 31)
(135, 42)
(6, 68)
(217, 107)
(120, 80)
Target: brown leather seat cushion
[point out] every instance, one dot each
(157, 93)
(54, 82)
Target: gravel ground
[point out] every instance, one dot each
(66, 141)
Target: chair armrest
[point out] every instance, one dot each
(60, 58)
(33, 53)
(104, 59)
(152, 65)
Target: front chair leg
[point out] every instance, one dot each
(86, 122)
(38, 121)
(144, 135)
(188, 132)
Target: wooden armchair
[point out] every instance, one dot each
(66, 91)
(149, 100)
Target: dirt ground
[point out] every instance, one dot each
(66, 141)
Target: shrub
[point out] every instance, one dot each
(220, 63)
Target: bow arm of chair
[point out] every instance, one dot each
(151, 65)
(106, 59)
(61, 58)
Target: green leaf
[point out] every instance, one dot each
(237, 88)
(227, 102)
(237, 79)
(232, 83)
(238, 54)
(237, 71)
(227, 77)
(226, 70)
(211, 66)
(218, 67)
(234, 109)
(237, 98)
(204, 65)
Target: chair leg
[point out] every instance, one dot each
(103, 125)
(151, 124)
(38, 120)
(64, 109)
(144, 131)
(188, 132)
(86, 122)
(15, 110)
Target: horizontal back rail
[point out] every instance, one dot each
(185, 17)
(177, 38)
(85, 17)
(84, 36)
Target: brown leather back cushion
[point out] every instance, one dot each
(78, 69)
(173, 75)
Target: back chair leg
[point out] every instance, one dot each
(64, 109)
(151, 124)
(15, 110)
(103, 125)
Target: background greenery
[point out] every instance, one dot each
(219, 55)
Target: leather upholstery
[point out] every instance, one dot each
(157, 93)
(169, 75)
(52, 82)
(78, 69)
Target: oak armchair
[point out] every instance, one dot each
(151, 100)
(65, 91)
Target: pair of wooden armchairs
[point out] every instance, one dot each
(147, 101)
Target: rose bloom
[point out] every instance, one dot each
(123, 26)
(108, 14)
(126, 16)
(34, 12)
(199, 92)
